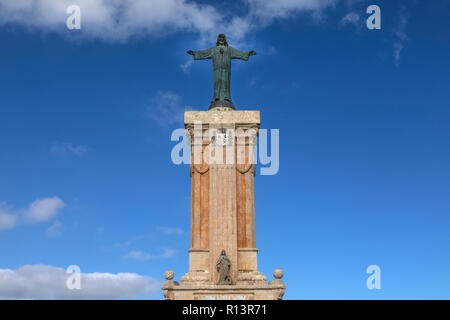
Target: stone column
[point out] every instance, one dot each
(245, 172)
(199, 264)
(222, 203)
(199, 201)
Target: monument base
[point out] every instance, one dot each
(173, 291)
(249, 286)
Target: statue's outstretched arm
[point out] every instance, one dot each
(243, 55)
(201, 54)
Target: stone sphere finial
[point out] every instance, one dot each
(169, 274)
(278, 274)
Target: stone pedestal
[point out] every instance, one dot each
(223, 209)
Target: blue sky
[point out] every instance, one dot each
(86, 116)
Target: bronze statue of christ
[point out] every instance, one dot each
(221, 55)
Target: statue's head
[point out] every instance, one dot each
(223, 253)
(222, 40)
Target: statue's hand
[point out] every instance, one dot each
(190, 52)
(252, 53)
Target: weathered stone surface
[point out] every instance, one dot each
(215, 116)
(247, 258)
(225, 292)
(169, 274)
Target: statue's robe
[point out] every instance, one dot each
(223, 267)
(221, 68)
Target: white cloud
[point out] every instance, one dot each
(48, 282)
(119, 20)
(143, 256)
(253, 81)
(186, 67)
(170, 231)
(168, 253)
(54, 230)
(401, 36)
(165, 108)
(38, 211)
(43, 209)
(115, 20)
(7, 220)
(138, 255)
(68, 147)
(351, 18)
(268, 11)
(398, 47)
